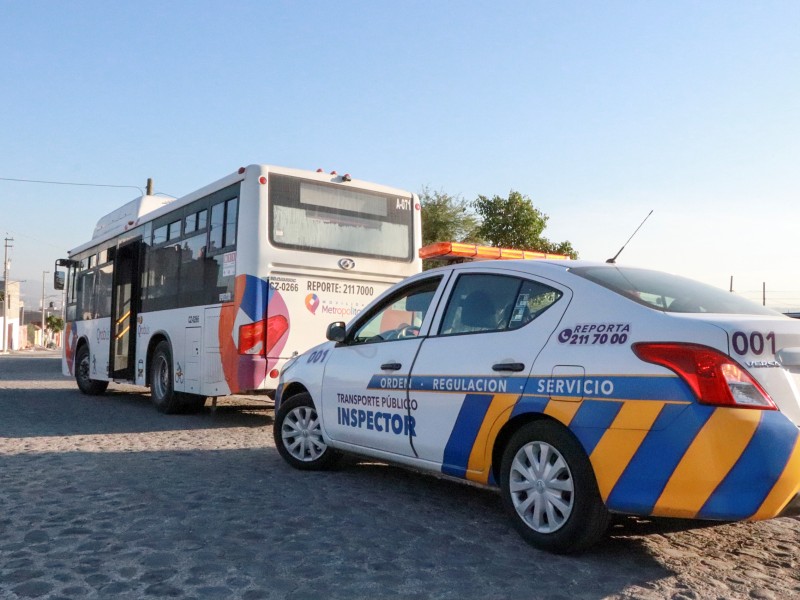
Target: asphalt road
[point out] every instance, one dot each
(103, 497)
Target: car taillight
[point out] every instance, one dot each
(714, 377)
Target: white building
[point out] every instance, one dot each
(13, 334)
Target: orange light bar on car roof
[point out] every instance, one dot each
(456, 250)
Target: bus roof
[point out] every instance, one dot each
(128, 215)
(146, 208)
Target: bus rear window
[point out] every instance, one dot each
(670, 293)
(306, 215)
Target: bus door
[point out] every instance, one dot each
(125, 309)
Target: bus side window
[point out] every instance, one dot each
(85, 293)
(215, 234)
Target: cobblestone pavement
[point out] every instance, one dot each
(103, 497)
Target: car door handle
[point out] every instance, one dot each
(511, 366)
(391, 366)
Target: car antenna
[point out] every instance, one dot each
(614, 258)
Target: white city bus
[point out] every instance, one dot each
(207, 295)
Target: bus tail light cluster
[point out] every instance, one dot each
(259, 337)
(713, 376)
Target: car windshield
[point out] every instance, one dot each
(669, 293)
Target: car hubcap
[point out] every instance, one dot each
(541, 486)
(302, 434)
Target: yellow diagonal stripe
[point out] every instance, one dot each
(709, 458)
(786, 488)
(480, 457)
(621, 441)
(562, 410)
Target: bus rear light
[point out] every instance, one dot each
(714, 377)
(251, 338)
(262, 180)
(242, 170)
(260, 337)
(274, 373)
(277, 325)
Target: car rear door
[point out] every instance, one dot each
(473, 367)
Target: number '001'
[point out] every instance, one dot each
(755, 343)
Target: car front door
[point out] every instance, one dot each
(473, 366)
(365, 386)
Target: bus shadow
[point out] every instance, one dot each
(29, 412)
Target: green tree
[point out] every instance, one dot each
(514, 222)
(55, 323)
(446, 218)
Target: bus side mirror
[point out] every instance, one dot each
(59, 277)
(336, 332)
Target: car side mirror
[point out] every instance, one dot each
(336, 332)
(59, 278)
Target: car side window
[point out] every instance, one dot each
(400, 316)
(484, 303)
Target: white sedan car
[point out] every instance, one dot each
(578, 388)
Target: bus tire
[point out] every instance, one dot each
(549, 489)
(298, 435)
(162, 384)
(87, 385)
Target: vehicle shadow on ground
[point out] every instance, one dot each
(32, 412)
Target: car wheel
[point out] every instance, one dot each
(162, 389)
(86, 384)
(298, 435)
(549, 489)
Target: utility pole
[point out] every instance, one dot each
(5, 294)
(44, 308)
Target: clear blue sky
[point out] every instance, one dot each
(598, 111)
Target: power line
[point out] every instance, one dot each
(107, 185)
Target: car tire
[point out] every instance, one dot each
(89, 386)
(298, 435)
(162, 387)
(549, 489)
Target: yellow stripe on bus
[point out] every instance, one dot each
(709, 458)
(786, 488)
(621, 441)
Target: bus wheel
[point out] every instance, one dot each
(298, 435)
(87, 385)
(549, 489)
(162, 389)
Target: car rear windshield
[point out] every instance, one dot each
(669, 293)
